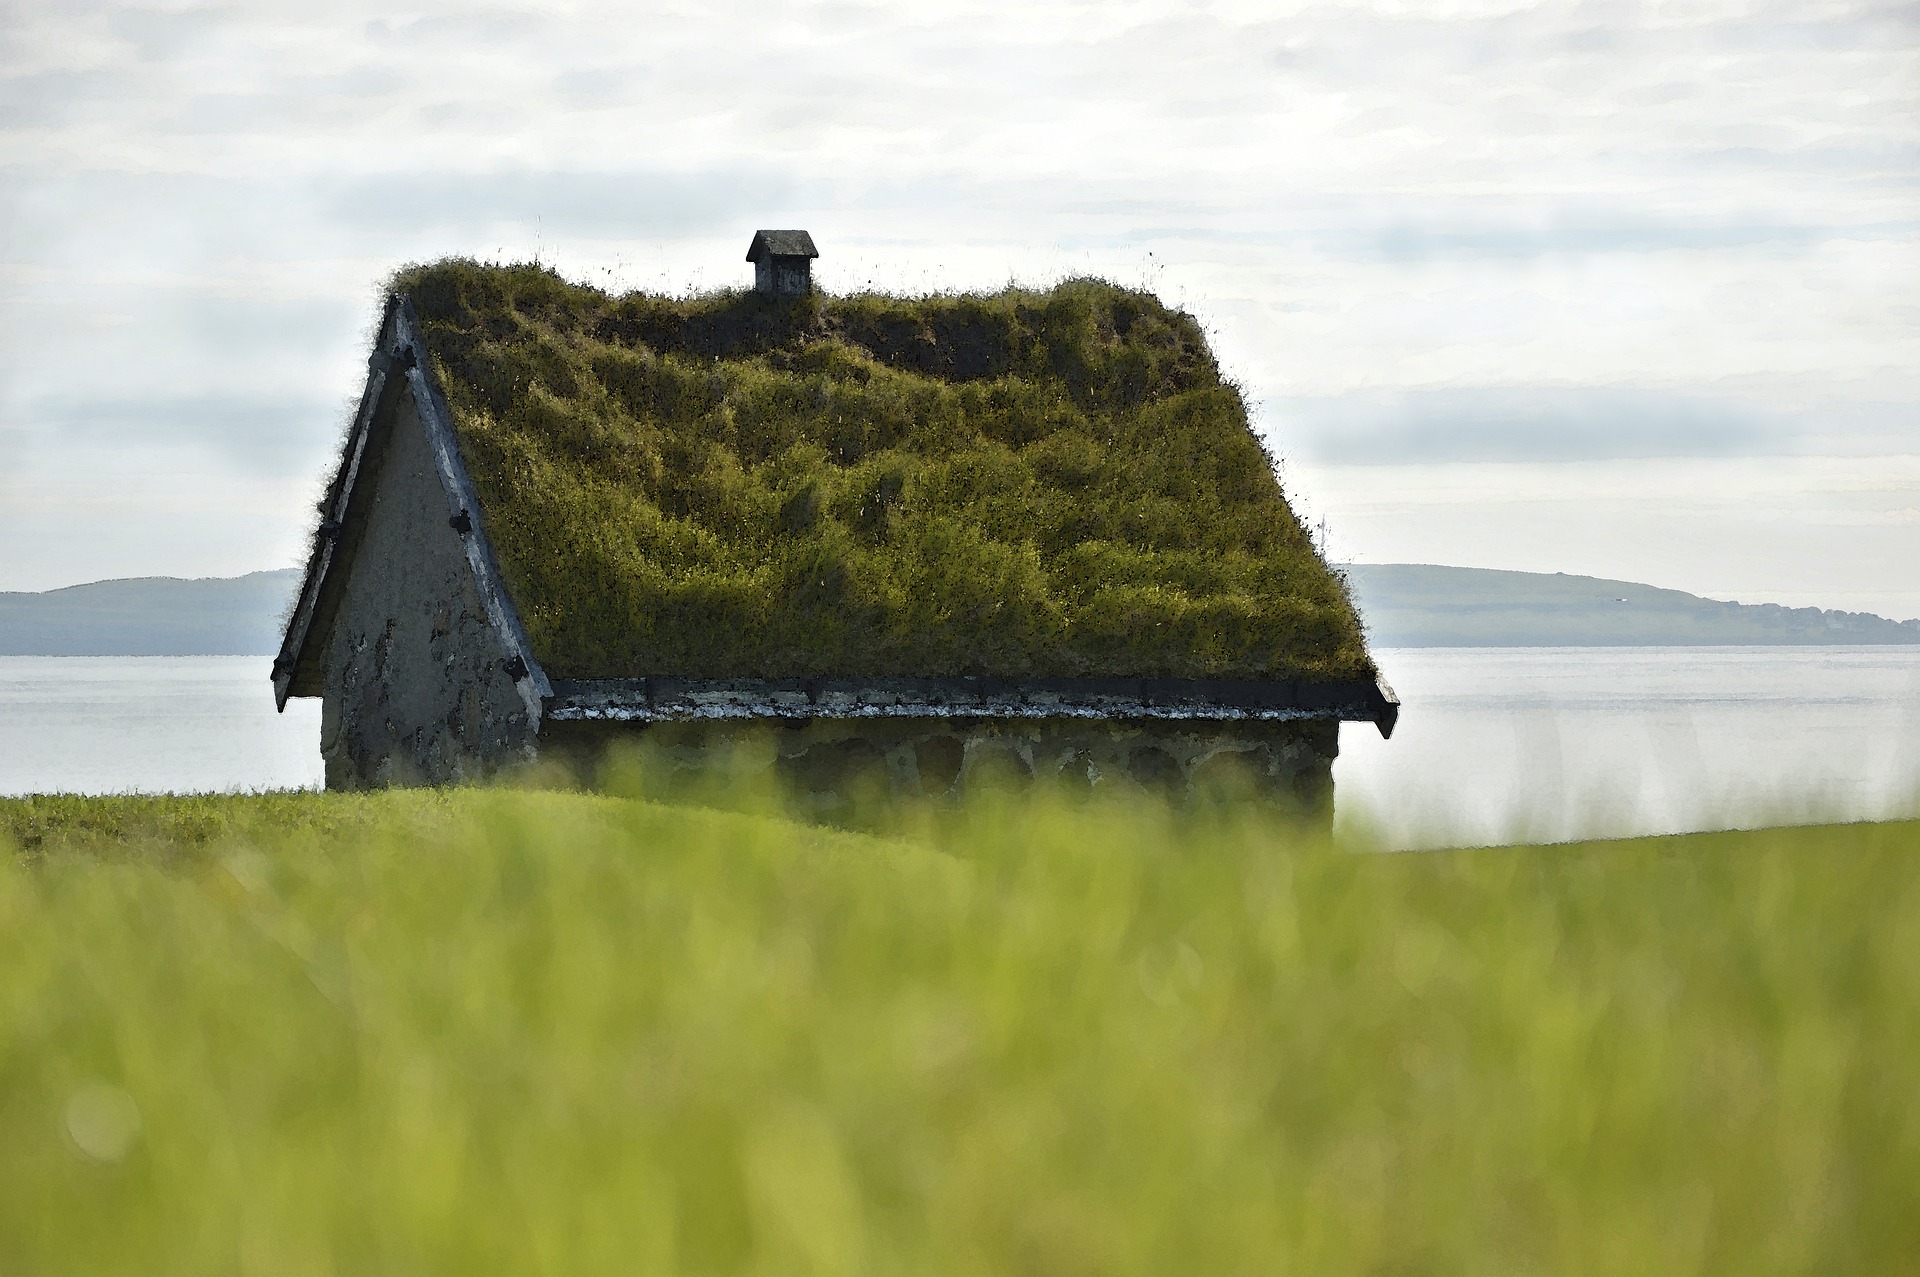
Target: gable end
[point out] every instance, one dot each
(398, 365)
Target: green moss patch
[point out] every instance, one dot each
(1029, 483)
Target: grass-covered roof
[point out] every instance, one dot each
(1028, 483)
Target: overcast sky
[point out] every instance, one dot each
(1629, 290)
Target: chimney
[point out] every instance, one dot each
(782, 263)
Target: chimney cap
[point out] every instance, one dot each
(781, 244)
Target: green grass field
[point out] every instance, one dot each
(516, 1031)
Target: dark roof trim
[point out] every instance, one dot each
(326, 539)
(781, 244)
(400, 357)
(657, 700)
(502, 615)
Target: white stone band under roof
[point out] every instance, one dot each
(666, 700)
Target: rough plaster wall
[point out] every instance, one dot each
(414, 692)
(783, 276)
(830, 765)
(792, 276)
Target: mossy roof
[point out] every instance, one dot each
(1025, 483)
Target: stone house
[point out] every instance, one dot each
(895, 544)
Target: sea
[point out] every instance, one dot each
(1493, 745)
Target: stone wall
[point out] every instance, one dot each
(413, 689)
(831, 766)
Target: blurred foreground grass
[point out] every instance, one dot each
(497, 1031)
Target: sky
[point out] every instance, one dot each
(1627, 290)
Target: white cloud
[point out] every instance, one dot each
(1384, 212)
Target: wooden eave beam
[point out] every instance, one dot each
(648, 700)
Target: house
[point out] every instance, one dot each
(782, 263)
(894, 543)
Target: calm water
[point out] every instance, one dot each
(151, 724)
(1493, 743)
(1501, 744)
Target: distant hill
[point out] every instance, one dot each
(151, 616)
(1423, 605)
(1403, 604)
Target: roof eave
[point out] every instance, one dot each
(660, 700)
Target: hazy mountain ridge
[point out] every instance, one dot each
(1402, 604)
(1427, 605)
(151, 616)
